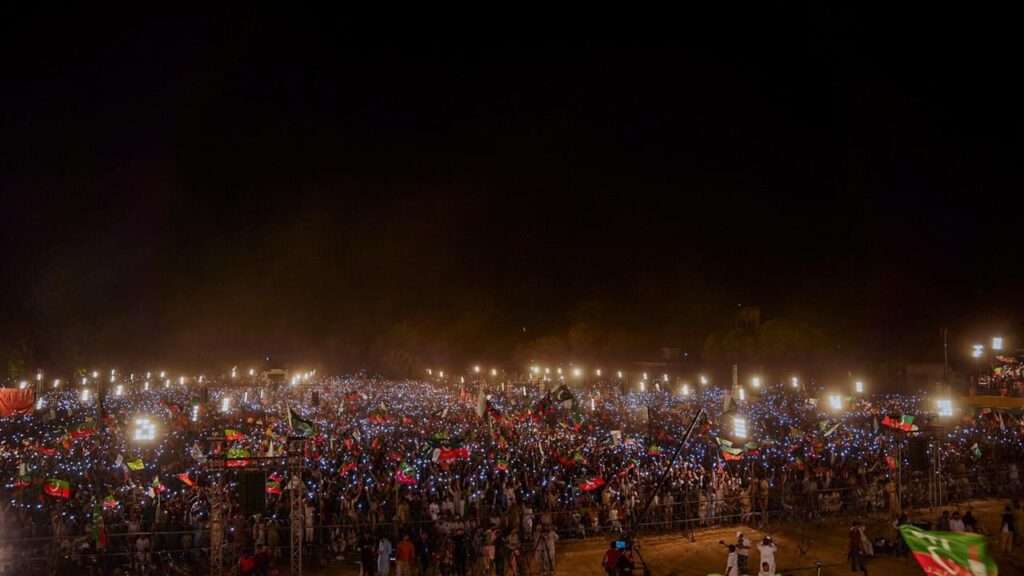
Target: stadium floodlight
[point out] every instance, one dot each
(755, 381)
(619, 374)
(945, 407)
(476, 369)
(739, 427)
(430, 372)
(742, 394)
(997, 343)
(494, 371)
(977, 351)
(85, 394)
(145, 430)
(643, 388)
(858, 386)
(119, 390)
(703, 380)
(835, 402)
(225, 404)
(195, 412)
(440, 374)
(795, 382)
(686, 389)
(22, 385)
(56, 383)
(577, 372)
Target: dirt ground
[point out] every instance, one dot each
(675, 555)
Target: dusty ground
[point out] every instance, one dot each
(675, 555)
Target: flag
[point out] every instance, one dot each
(232, 435)
(136, 465)
(592, 484)
(57, 488)
(299, 425)
(110, 503)
(23, 481)
(949, 553)
(157, 486)
(502, 465)
(976, 451)
(446, 455)
(890, 462)
(99, 531)
(905, 423)
(185, 479)
(14, 401)
(654, 450)
(378, 415)
(730, 454)
(405, 475)
(236, 457)
(273, 487)
(84, 430)
(347, 467)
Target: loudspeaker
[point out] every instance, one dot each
(252, 488)
(315, 398)
(917, 453)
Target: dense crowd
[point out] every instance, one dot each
(483, 476)
(1005, 379)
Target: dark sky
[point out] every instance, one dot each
(201, 190)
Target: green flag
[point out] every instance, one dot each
(299, 425)
(952, 553)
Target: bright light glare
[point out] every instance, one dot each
(195, 412)
(739, 427)
(703, 380)
(755, 382)
(664, 377)
(593, 406)
(39, 376)
(642, 385)
(476, 369)
(22, 385)
(225, 404)
(619, 374)
(977, 351)
(440, 374)
(686, 389)
(95, 374)
(494, 371)
(795, 382)
(85, 395)
(743, 394)
(997, 343)
(598, 372)
(56, 383)
(145, 430)
(835, 402)
(119, 390)
(252, 371)
(40, 403)
(577, 372)
(859, 387)
(429, 371)
(945, 407)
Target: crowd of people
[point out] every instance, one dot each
(1005, 379)
(450, 478)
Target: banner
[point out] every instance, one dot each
(949, 553)
(16, 401)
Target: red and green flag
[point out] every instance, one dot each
(273, 487)
(346, 468)
(592, 484)
(84, 430)
(237, 457)
(23, 481)
(57, 488)
(446, 455)
(406, 475)
(502, 465)
(654, 450)
(110, 503)
(186, 480)
(232, 435)
(904, 424)
(949, 553)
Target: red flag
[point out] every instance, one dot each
(185, 479)
(447, 455)
(347, 467)
(592, 484)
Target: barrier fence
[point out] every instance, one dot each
(186, 552)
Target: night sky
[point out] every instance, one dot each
(200, 191)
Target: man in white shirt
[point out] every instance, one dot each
(767, 550)
(731, 562)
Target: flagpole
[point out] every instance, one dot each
(664, 474)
